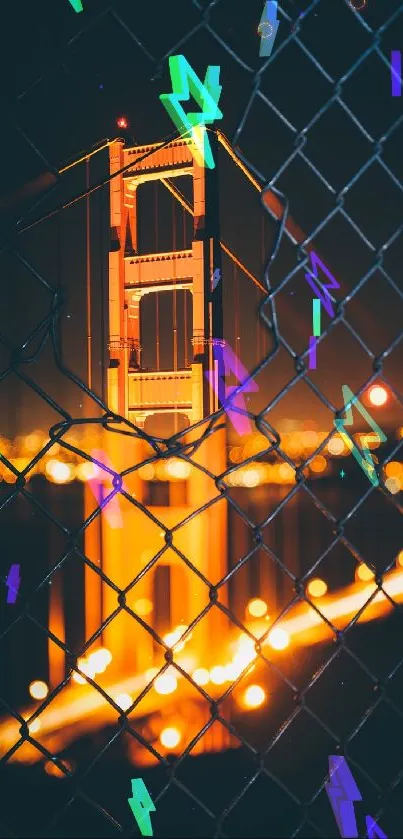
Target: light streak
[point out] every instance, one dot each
(82, 709)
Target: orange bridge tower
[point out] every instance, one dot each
(168, 591)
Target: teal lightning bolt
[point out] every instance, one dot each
(364, 459)
(77, 5)
(185, 82)
(141, 805)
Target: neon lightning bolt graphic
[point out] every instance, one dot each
(324, 297)
(373, 829)
(141, 805)
(268, 27)
(227, 360)
(13, 581)
(215, 279)
(186, 82)
(112, 512)
(365, 460)
(77, 5)
(342, 792)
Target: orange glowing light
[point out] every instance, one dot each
(177, 469)
(170, 737)
(377, 395)
(172, 639)
(85, 667)
(316, 587)
(318, 464)
(336, 445)
(279, 639)
(38, 690)
(51, 768)
(99, 660)
(124, 700)
(393, 469)
(166, 683)
(59, 472)
(254, 696)
(201, 676)
(364, 573)
(89, 707)
(122, 122)
(394, 485)
(143, 606)
(257, 608)
(218, 675)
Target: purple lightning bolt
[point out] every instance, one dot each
(13, 582)
(373, 829)
(322, 293)
(342, 791)
(112, 512)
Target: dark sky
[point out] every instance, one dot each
(319, 123)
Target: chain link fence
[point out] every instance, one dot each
(317, 127)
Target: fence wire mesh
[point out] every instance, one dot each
(316, 126)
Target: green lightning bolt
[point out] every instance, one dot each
(186, 82)
(141, 805)
(77, 5)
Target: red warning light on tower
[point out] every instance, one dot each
(122, 122)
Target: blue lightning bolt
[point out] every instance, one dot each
(268, 27)
(215, 279)
(13, 582)
(141, 805)
(365, 459)
(324, 297)
(186, 82)
(342, 792)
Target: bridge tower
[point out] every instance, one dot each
(124, 549)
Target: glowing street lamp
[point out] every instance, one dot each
(378, 395)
